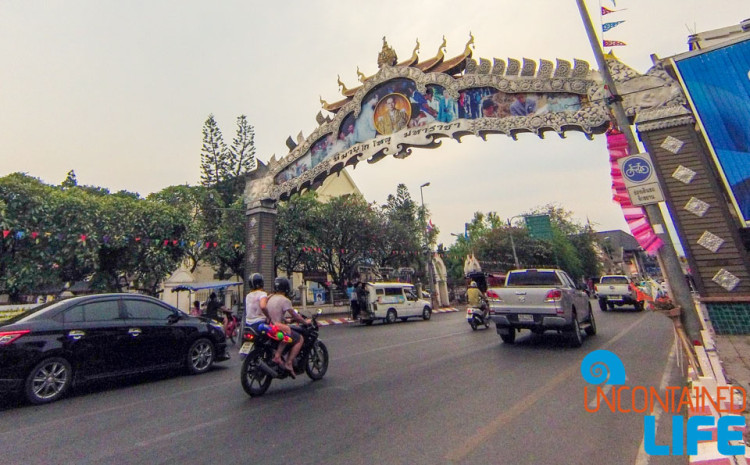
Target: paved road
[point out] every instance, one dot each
(420, 392)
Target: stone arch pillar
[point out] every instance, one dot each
(259, 243)
(260, 227)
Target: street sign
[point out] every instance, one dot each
(640, 179)
(539, 226)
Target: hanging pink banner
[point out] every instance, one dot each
(635, 216)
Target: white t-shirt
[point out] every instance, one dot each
(253, 313)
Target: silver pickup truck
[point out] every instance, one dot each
(541, 300)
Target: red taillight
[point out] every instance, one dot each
(249, 337)
(492, 294)
(553, 296)
(7, 337)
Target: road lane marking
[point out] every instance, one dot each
(485, 433)
(643, 458)
(174, 434)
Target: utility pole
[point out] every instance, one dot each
(666, 255)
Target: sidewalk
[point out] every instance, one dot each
(724, 361)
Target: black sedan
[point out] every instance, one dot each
(49, 348)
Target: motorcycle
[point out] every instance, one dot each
(232, 328)
(476, 318)
(258, 368)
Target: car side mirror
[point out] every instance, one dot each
(173, 318)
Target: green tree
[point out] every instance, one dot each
(297, 232)
(241, 155)
(214, 155)
(344, 239)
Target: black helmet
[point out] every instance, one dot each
(256, 281)
(281, 285)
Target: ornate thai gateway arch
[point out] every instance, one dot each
(416, 103)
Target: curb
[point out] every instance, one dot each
(347, 320)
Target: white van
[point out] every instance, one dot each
(389, 301)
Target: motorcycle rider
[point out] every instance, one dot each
(278, 304)
(256, 312)
(476, 298)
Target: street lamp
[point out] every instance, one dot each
(422, 195)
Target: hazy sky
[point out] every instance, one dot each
(119, 90)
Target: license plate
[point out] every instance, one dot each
(246, 348)
(526, 318)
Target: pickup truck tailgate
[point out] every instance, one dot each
(527, 300)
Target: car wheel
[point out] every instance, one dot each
(576, 340)
(390, 317)
(603, 305)
(509, 338)
(317, 361)
(48, 380)
(200, 356)
(426, 313)
(591, 328)
(254, 380)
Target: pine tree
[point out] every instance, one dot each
(70, 180)
(214, 155)
(242, 154)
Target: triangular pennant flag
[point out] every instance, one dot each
(612, 43)
(34, 234)
(5, 233)
(607, 26)
(606, 11)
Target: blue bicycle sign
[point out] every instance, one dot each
(636, 169)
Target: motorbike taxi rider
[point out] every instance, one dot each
(476, 298)
(278, 305)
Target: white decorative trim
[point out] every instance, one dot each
(672, 144)
(684, 174)
(726, 280)
(697, 206)
(710, 241)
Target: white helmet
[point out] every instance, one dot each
(473, 284)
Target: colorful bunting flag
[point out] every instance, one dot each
(612, 43)
(607, 26)
(606, 11)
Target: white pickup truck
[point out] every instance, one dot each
(617, 290)
(541, 300)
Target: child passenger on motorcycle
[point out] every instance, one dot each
(278, 305)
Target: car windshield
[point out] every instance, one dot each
(614, 280)
(31, 313)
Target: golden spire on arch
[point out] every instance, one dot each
(387, 55)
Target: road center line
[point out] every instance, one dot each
(485, 433)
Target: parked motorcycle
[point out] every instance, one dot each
(476, 318)
(258, 368)
(232, 328)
